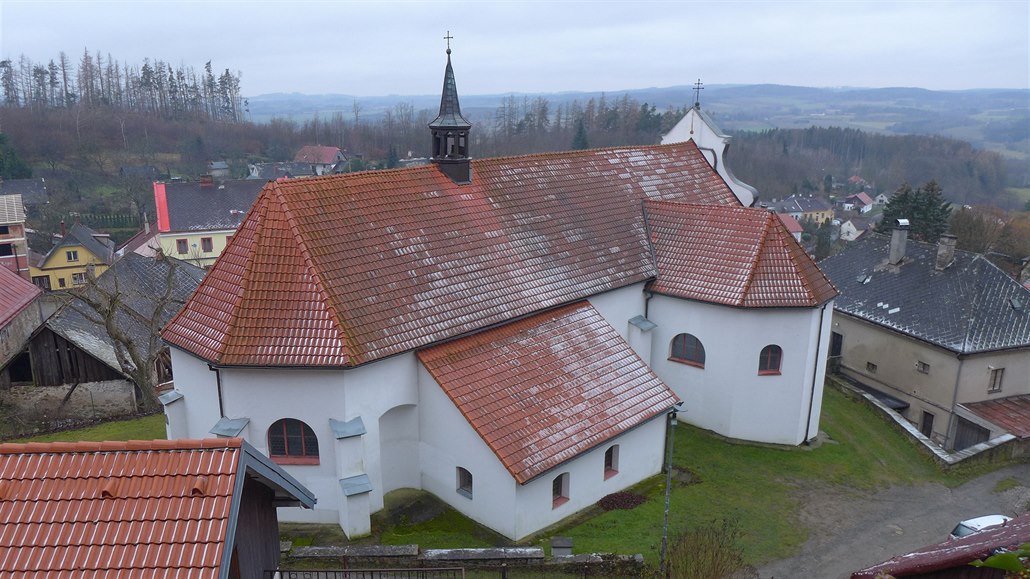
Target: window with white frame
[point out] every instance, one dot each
(994, 384)
(78, 278)
(71, 255)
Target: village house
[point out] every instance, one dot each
(78, 253)
(322, 160)
(161, 508)
(804, 208)
(70, 366)
(273, 171)
(195, 221)
(942, 335)
(510, 334)
(20, 315)
(14, 250)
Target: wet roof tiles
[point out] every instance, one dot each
(116, 509)
(345, 269)
(734, 256)
(542, 390)
(17, 294)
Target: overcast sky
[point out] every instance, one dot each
(382, 48)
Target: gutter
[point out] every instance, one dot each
(218, 383)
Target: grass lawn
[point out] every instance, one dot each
(757, 487)
(146, 428)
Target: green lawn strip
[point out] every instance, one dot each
(146, 428)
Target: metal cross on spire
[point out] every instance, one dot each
(698, 87)
(448, 39)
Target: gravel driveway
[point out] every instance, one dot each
(853, 530)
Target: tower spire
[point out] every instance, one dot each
(450, 130)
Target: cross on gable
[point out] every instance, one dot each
(698, 87)
(448, 39)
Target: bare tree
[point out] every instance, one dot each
(132, 309)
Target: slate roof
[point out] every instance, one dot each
(966, 308)
(1012, 413)
(11, 209)
(158, 508)
(272, 171)
(32, 191)
(450, 109)
(345, 269)
(140, 282)
(576, 384)
(800, 204)
(78, 234)
(735, 256)
(317, 154)
(954, 553)
(15, 295)
(197, 207)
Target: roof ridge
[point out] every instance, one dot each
(753, 269)
(261, 206)
(792, 245)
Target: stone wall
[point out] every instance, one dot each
(32, 405)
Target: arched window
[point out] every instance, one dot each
(686, 348)
(769, 360)
(290, 441)
(560, 490)
(611, 461)
(464, 483)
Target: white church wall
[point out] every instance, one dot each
(713, 144)
(199, 388)
(728, 395)
(448, 441)
(640, 456)
(618, 306)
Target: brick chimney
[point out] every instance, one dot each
(207, 181)
(899, 237)
(64, 231)
(946, 251)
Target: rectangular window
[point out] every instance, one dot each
(71, 255)
(926, 425)
(870, 367)
(60, 282)
(560, 490)
(182, 247)
(6, 249)
(78, 279)
(41, 281)
(922, 367)
(997, 374)
(206, 245)
(5, 229)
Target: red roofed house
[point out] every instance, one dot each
(508, 334)
(321, 159)
(162, 508)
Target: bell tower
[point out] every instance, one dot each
(450, 130)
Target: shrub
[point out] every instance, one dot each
(709, 552)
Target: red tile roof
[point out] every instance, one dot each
(953, 554)
(790, 223)
(317, 154)
(116, 509)
(542, 390)
(1011, 413)
(346, 269)
(15, 295)
(735, 256)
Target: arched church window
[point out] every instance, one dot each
(291, 441)
(687, 349)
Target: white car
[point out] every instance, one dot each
(970, 526)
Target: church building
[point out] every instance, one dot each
(509, 334)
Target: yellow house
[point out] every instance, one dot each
(195, 221)
(810, 208)
(79, 252)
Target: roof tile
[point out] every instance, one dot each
(534, 389)
(346, 269)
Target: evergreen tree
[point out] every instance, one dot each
(392, 159)
(11, 166)
(579, 140)
(925, 208)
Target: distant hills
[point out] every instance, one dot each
(991, 119)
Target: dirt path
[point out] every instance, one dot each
(853, 530)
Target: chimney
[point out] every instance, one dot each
(207, 180)
(946, 251)
(64, 232)
(899, 237)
